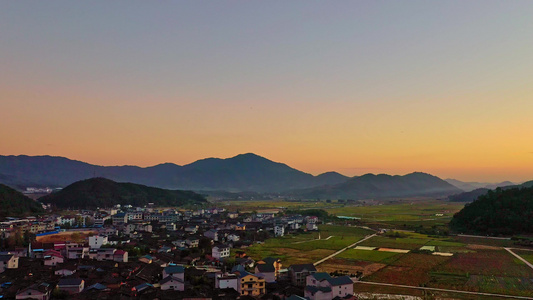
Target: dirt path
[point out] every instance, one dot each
(344, 249)
(519, 257)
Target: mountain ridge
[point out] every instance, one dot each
(102, 192)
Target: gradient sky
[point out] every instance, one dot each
(444, 87)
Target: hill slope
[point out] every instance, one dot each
(14, 203)
(245, 172)
(468, 196)
(383, 186)
(101, 192)
(502, 211)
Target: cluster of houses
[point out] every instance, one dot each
(178, 254)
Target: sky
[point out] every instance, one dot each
(443, 87)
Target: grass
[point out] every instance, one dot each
(525, 254)
(369, 255)
(401, 211)
(303, 248)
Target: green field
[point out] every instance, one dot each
(304, 248)
(402, 212)
(369, 255)
(478, 264)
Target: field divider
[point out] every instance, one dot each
(344, 249)
(519, 257)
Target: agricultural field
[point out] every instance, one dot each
(406, 212)
(525, 254)
(463, 263)
(472, 267)
(306, 248)
(268, 205)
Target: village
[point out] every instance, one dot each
(153, 253)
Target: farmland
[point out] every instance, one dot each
(462, 263)
(306, 248)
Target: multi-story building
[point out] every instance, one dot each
(299, 273)
(249, 284)
(96, 241)
(220, 251)
(321, 286)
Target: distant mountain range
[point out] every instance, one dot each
(243, 173)
(383, 186)
(14, 204)
(470, 186)
(102, 192)
(475, 194)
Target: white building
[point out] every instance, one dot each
(321, 286)
(227, 281)
(279, 230)
(96, 241)
(220, 251)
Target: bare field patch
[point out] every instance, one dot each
(67, 236)
(351, 266)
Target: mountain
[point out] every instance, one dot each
(502, 211)
(465, 186)
(468, 196)
(330, 178)
(497, 185)
(245, 172)
(101, 192)
(383, 186)
(470, 186)
(15, 204)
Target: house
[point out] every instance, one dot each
(179, 243)
(220, 251)
(240, 227)
(212, 234)
(52, 258)
(119, 219)
(192, 242)
(78, 252)
(147, 259)
(275, 262)
(266, 271)
(232, 237)
(40, 291)
(299, 273)
(279, 230)
(175, 271)
(250, 284)
(120, 256)
(105, 254)
(233, 215)
(71, 285)
(321, 286)
(8, 261)
(172, 283)
(65, 271)
(96, 241)
(227, 281)
(191, 229)
(311, 227)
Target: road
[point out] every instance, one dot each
(520, 258)
(343, 249)
(442, 290)
(485, 237)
